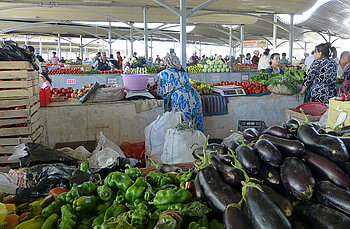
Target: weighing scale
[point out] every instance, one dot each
(138, 95)
(229, 90)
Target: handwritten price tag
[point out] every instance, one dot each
(150, 80)
(71, 81)
(216, 78)
(245, 77)
(112, 81)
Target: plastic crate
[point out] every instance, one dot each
(313, 108)
(245, 124)
(45, 96)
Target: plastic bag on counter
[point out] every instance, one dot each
(103, 158)
(106, 95)
(103, 143)
(232, 141)
(155, 134)
(79, 153)
(178, 143)
(39, 154)
(91, 92)
(37, 173)
(8, 183)
(118, 165)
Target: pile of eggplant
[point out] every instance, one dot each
(289, 176)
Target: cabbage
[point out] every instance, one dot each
(227, 70)
(222, 69)
(206, 66)
(205, 70)
(209, 69)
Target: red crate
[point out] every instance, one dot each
(45, 96)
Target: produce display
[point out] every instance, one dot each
(201, 87)
(246, 65)
(111, 72)
(214, 66)
(91, 72)
(64, 71)
(194, 69)
(137, 70)
(250, 87)
(151, 69)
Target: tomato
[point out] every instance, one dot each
(57, 191)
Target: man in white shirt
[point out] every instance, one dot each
(309, 60)
(264, 61)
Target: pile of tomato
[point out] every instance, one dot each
(65, 71)
(252, 87)
(247, 65)
(112, 72)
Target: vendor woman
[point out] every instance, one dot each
(177, 91)
(275, 64)
(45, 79)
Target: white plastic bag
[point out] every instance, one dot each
(155, 134)
(103, 143)
(177, 145)
(19, 151)
(79, 153)
(8, 183)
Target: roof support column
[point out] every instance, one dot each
(59, 46)
(26, 40)
(40, 46)
(274, 34)
(200, 49)
(230, 41)
(131, 39)
(126, 48)
(242, 39)
(110, 39)
(151, 46)
(145, 22)
(81, 47)
(291, 37)
(70, 50)
(183, 35)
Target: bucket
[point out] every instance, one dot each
(135, 82)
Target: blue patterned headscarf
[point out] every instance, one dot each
(173, 61)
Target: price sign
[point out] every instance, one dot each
(150, 80)
(245, 77)
(111, 80)
(215, 78)
(71, 81)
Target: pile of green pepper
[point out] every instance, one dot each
(128, 201)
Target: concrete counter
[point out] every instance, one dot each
(126, 120)
(77, 81)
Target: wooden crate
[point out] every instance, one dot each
(18, 84)
(290, 113)
(11, 65)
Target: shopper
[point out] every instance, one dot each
(97, 57)
(62, 60)
(275, 64)
(231, 62)
(319, 84)
(45, 79)
(284, 60)
(177, 91)
(247, 59)
(255, 59)
(103, 64)
(264, 61)
(157, 60)
(344, 64)
(195, 58)
(54, 60)
(135, 55)
(335, 54)
(120, 60)
(309, 60)
(113, 62)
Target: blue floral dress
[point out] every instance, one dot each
(179, 95)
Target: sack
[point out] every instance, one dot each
(345, 87)
(178, 143)
(155, 134)
(338, 113)
(106, 95)
(91, 92)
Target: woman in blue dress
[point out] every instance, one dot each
(177, 91)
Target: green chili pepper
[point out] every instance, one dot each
(68, 218)
(133, 173)
(85, 167)
(51, 222)
(114, 211)
(34, 223)
(55, 206)
(86, 203)
(104, 192)
(118, 180)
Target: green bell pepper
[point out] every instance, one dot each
(51, 222)
(86, 223)
(177, 207)
(133, 173)
(103, 207)
(194, 225)
(111, 223)
(34, 223)
(216, 224)
(68, 218)
(169, 219)
(140, 216)
(183, 177)
(85, 167)
(55, 206)
(195, 209)
(114, 211)
(124, 225)
(168, 186)
(84, 189)
(140, 190)
(98, 220)
(118, 180)
(158, 179)
(104, 192)
(165, 198)
(86, 203)
(183, 196)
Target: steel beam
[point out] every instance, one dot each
(81, 47)
(168, 7)
(291, 37)
(274, 33)
(242, 39)
(131, 40)
(201, 6)
(230, 41)
(145, 22)
(40, 46)
(183, 35)
(59, 47)
(110, 39)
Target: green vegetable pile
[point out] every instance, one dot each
(128, 200)
(151, 69)
(90, 72)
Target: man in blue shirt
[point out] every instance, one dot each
(284, 61)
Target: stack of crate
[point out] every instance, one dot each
(19, 108)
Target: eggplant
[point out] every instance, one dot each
(321, 131)
(345, 130)
(250, 134)
(326, 169)
(298, 224)
(215, 191)
(268, 152)
(283, 203)
(345, 167)
(293, 148)
(248, 158)
(269, 174)
(211, 148)
(346, 141)
(334, 133)
(197, 189)
(230, 174)
(277, 131)
(320, 216)
(235, 218)
(292, 125)
(263, 211)
(332, 196)
(297, 178)
(326, 145)
(224, 158)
